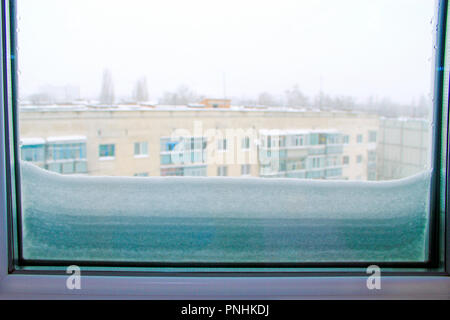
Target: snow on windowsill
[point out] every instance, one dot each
(107, 158)
(201, 219)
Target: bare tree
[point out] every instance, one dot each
(296, 98)
(183, 95)
(40, 99)
(140, 93)
(266, 99)
(107, 93)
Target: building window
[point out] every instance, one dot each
(372, 176)
(359, 138)
(372, 136)
(222, 171)
(33, 153)
(246, 143)
(222, 144)
(298, 141)
(314, 139)
(172, 172)
(245, 169)
(168, 145)
(346, 139)
(67, 167)
(141, 149)
(195, 171)
(141, 174)
(107, 151)
(333, 161)
(346, 160)
(359, 158)
(65, 151)
(316, 162)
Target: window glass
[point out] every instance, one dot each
(283, 91)
(107, 150)
(245, 169)
(222, 171)
(359, 158)
(222, 144)
(372, 136)
(141, 149)
(359, 138)
(346, 160)
(346, 139)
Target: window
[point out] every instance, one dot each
(359, 138)
(222, 171)
(141, 149)
(298, 141)
(346, 160)
(246, 143)
(346, 139)
(372, 156)
(141, 174)
(107, 151)
(372, 136)
(222, 144)
(316, 162)
(277, 219)
(245, 170)
(33, 153)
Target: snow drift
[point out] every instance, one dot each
(183, 219)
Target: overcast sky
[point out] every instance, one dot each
(357, 47)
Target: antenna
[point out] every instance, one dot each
(224, 87)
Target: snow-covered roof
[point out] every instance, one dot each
(287, 132)
(31, 141)
(160, 107)
(67, 139)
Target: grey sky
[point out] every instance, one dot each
(359, 47)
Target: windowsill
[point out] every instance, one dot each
(186, 288)
(142, 156)
(107, 158)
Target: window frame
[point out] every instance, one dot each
(140, 146)
(110, 147)
(428, 277)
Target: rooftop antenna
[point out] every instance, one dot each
(224, 87)
(320, 92)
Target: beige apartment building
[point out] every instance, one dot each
(403, 147)
(132, 140)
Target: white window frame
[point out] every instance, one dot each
(38, 285)
(222, 145)
(247, 171)
(140, 147)
(222, 171)
(106, 158)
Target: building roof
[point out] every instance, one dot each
(67, 139)
(31, 141)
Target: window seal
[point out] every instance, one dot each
(16, 263)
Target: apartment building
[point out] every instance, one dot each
(403, 147)
(132, 140)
